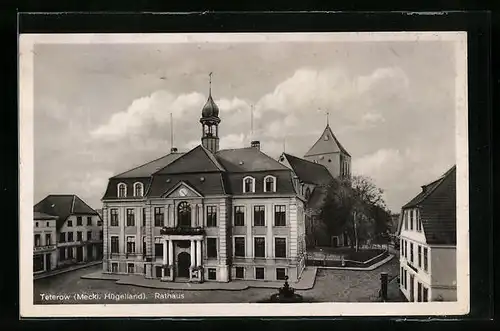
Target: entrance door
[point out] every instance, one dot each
(335, 241)
(90, 250)
(79, 254)
(183, 264)
(47, 262)
(158, 272)
(412, 288)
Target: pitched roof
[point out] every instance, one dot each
(42, 216)
(437, 204)
(248, 159)
(327, 143)
(197, 160)
(62, 206)
(151, 167)
(204, 183)
(309, 172)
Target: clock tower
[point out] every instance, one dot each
(210, 122)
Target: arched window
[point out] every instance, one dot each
(184, 214)
(138, 189)
(122, 190)
(269, 184)
(248, 185)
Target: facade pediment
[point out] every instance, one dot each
(182, 190)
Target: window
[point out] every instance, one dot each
(401, 275)
(269, 184)
(70, 236)
(122, 190)
(101, 235)
(411, 252)
(38, 263)
(47, 224)
(411, 218)
(259, 216)
(114, 267)
(130, 244)
(260, 247)
(114, 217)
(280, 215)
(159, 216)
(38, 240)
(239, 246)
(419, 292)
(184, 214)
(425, 294)
(248, 185)
(406, 249)
(259, 273)
(115, 245)
(79, 236)
(425, 259)
(240, 272)
(143, 216)
(62, 237)
(406, 219)
(89, 220)
(420, 256)
(144, 246)
(211, 216)
(62, 253)
(212, 274)
(280, 247)
(212, 247)
(130, 268)
(70, 252)
(36, 224)
(70, 223)
(89, 235)
(401, 248)
(79, 221)
(158, 249)
(138, 190)
(48, 239)
(130, 217)
(239, 216)
(406, 279)
(280, 273)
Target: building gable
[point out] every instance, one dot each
(182, 190)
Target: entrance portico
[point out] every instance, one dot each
(176, 267)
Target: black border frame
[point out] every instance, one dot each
(477, 24)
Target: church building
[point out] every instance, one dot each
(208, 214)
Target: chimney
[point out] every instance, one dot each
(173, 150)
(256, 144)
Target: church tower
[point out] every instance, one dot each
(329, 152)
(210, 123)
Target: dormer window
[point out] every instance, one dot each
(138, 189)
(248, 185)
(269, 184)
(122, 190)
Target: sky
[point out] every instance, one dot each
(102, 109)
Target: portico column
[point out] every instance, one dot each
(192, 253)
(170, 252)
(165, 256)
(198, 253)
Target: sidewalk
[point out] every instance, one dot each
(64, 270)
(306, 282)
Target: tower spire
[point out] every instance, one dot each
(210, 83)
(327, 118)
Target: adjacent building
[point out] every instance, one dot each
(427, 232)
(44, 242)
(75, 229)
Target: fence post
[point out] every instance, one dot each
(383, 285)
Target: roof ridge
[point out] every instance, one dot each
(212, 158)
(426, 194)
(72, 205)
(176, 160)
(86, 204)
(144, 164)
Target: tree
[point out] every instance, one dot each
(357, 206)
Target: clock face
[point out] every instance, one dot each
(183, 192)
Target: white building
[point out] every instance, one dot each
(427, 231)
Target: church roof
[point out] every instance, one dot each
(150, 168)
(248, 159)
(437, 205)
(63, 206)
(309, 172)
(327, 143)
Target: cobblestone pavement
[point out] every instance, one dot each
(330, 286)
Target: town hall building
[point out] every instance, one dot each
(210, 214)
